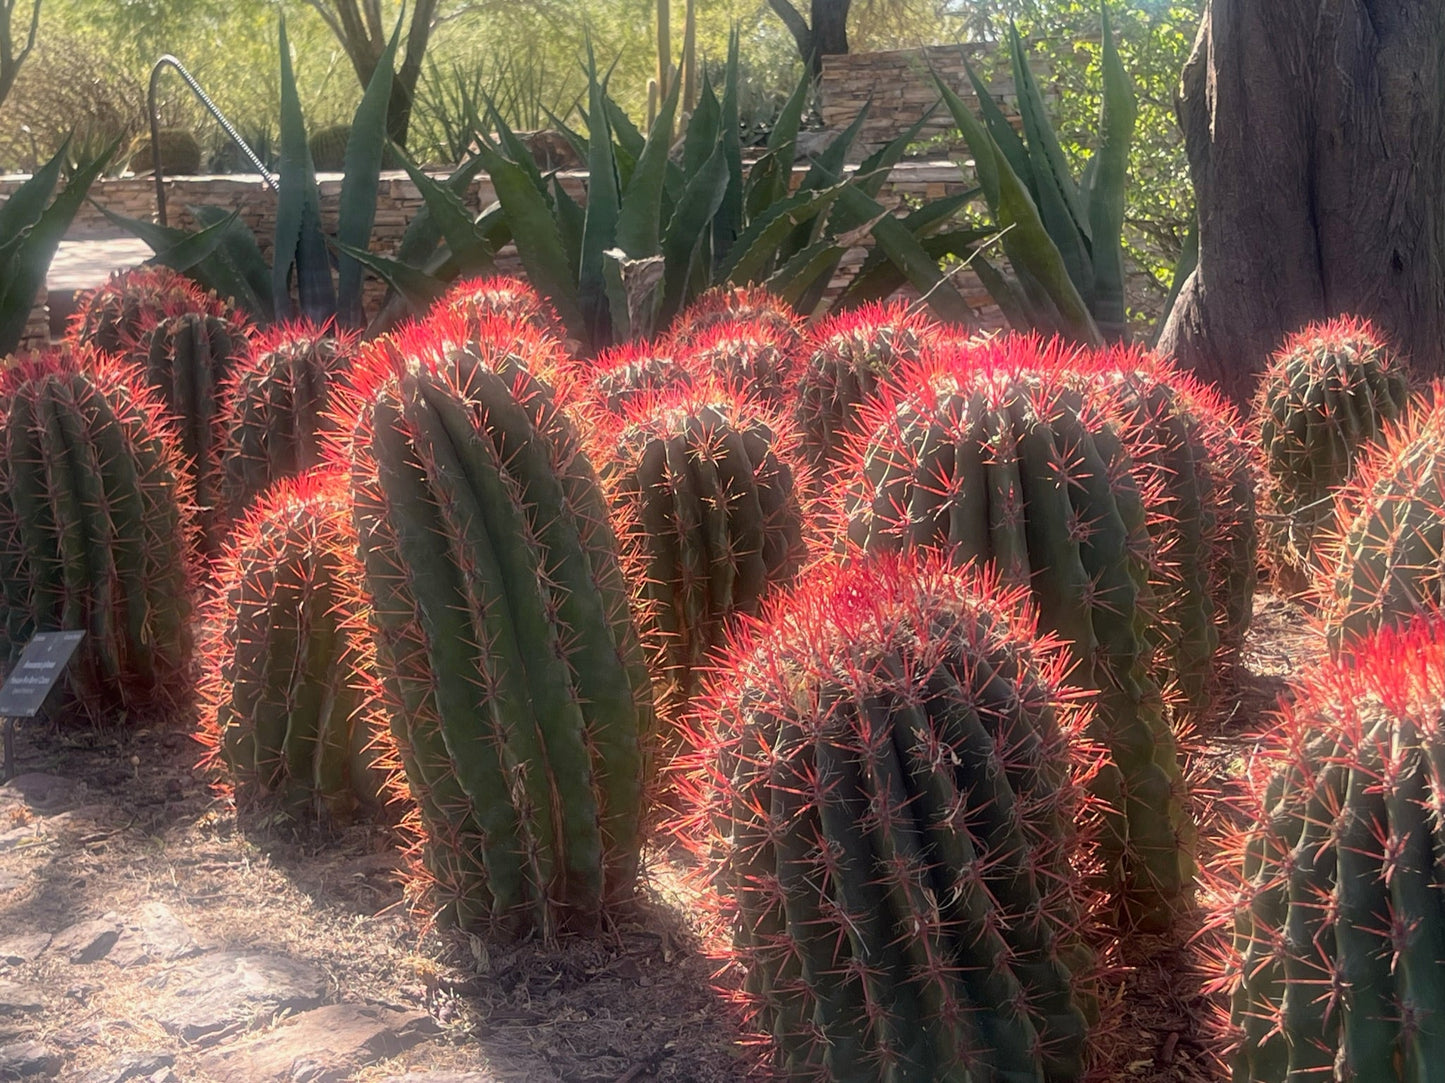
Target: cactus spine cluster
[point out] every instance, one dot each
(890, 787)
(751, 305)
(518, 692)
(289, 702)
(94, 526)
(996, 453)
(1333, 888)
(704, 483)
(1389, 553)
(623, 372)
(753, 356)
(1328, 393)
(275, 408)
(478, 300)
(111, 316)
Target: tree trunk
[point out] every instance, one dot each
(830, 30)
(1316, 139)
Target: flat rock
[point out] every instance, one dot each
(87, 941)
(152, 934)
(41, 793)
(26, 1060)
(144, 1067)
(328, 1045)
(204, 1000)
(17, 998)
(23, 947)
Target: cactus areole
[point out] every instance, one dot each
(518, 694)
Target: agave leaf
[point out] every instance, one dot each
(510, 144)
(828, 165)
(237, 268)
(423, 234)
(1188, 261)
(299, 240)
(1110, 174)
(999, 127)
(360, 180)
(922, 222)
(28, 202)
(728, 222)
(1044, 150)
(783, 139)
(629, 138)
(571, 223)
(466, 242)
(418, 288)
(805, 275)
(575, 139)
(703, 130)
(980, 144)
(685, 232)
(1006, 294)
(875, 169)
(757, 247)
(639, 223)
(879, 278)
(599, 229)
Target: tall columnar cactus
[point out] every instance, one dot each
(738, 305)
(95, 526)
(705, 489)
(1332, 891)
(995, 454)
(888, 790)
(112, 314)
(1388, 560)
(517, 688)
(290, 703)
(274, 408)
(1327, 394)
(477, 299)
(754, 356)
(845, 357)
(1203, 519)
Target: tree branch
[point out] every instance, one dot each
(796, 24)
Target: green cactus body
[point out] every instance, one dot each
(1329, 393)
(754, 357)
(1388, 563)
(275, 405)
(847, 355)
(94, 527)
(888, 788)
(113, 314)
(516, 685)
(480, 300)
(994, 454)
(705, 490)
(622, 373)
(290, 702)
(737, 306)
(1332, 889)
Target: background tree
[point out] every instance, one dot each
(824, 32)
(1316, 139)
(14, 49)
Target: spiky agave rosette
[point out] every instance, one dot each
(517, 690)
(753, 355)
(479, 300)
(1329, 912)
(96, 529)
(113, 313)
(1327, 394)
(1387, 558)
(1006, 453)
(845, 357)
(723, 305)
(275, 407)
(707, 491)
(290, 702)
(888, 785)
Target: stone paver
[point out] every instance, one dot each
(204, 1000)
(327, 1045)
(27, 1060)
(87, 941)
(23, 947)
(153, 934)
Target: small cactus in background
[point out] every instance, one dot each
(1388, 560)
(846, 356)
(888, 786)
(753, 356)
(95, 526)
(275, 406)
(705, 490)
(112, 314)
(1332, 889)
(1327, 394)
(999, 454)
(328, 147)
(723, 305)
(479, 299)
(289, 698)
(516, 687)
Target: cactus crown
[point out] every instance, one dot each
(754, 355)
(623, 372)
(111, 315)
(737, 304)
(504, 296)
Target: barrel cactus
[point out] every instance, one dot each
(289, 701)
(1388, 560)
(724, 305)
(516, 686)
(1327, 394)
(998, 454)
(1331, 892)
(705, 489)
(754, 356)
(844, 359)
(274, 408)
(889, 786)
(112, 314)
(95, 529)
(477, 299)
(623, 372)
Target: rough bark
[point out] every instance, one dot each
(824, 33)
(1316, 139)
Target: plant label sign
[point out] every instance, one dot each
(40, 666)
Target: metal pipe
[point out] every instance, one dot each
(168, 61)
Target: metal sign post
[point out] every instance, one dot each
(23, 694)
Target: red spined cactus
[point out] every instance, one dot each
(888, 786)
(478, 299)
(289, 692)
(724, 305)
(113, 313)
(753, 355)
(624, 372)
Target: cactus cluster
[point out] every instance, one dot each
(289, 702)
(1332, 888)
(518, 693)
(112, 314)
(753, 356)
(722, 306)
(1002, 454)
(890, 783)
(478, 300)
(95, 526)
(621, 373)
(1328, 393)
